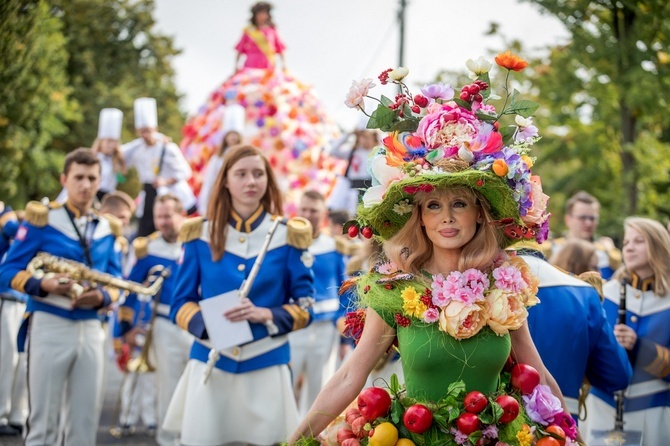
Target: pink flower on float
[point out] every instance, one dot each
(357, 92)
(440, 298)
(491, 431)
(488, 140)
(508, 278)
(567, 423)
(536, 214)
(431, 315)
(438, 91)
(459, 437)
(541, 405)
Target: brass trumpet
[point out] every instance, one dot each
(44, 263)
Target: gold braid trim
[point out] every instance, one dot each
(186, 313)
(115, 225)
(141, 247)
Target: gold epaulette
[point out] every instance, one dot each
(123, 243)
(299, 233)
(141, 247)
(594, 279)
(115, 225)
(37, 214)
(191, 229)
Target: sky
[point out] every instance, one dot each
(332, 42)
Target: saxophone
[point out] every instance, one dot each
(44, 263)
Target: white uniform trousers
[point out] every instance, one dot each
(64, 360)
(314, 351)
(138, 400)
(654, 422)
(172, 346)
(13, 391)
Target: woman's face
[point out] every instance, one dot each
(107, 146)
(262, 17)
(247, 182)
(450, 219)
(635, 251)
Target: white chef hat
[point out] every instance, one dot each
(145, 113)
(110, 123)
(233, 119)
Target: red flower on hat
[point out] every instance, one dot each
(420, 188)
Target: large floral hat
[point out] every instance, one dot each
(437, 139)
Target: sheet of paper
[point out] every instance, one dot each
(222, 332)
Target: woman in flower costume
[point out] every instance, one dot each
(284, 117)
(452, 188)
(645, 335)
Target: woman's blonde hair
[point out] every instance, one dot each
(220, 207)
(574, 256)
(411, 249)
(658, 252)
(118, 162)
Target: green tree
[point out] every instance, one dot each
(605, 97)
(35, 100)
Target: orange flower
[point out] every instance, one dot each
(500, 167)
(511, 61)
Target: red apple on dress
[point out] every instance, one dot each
(417, 418)
(525, 378)
(475, 402)
(374, 402)
(468, 423)
(510, 407)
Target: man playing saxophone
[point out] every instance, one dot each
(65, 348)
(170, 343)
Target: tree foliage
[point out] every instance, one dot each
(604, 97)
(35, 99)
(65, 61)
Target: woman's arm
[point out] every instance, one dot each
(523, 350)
(347, 383)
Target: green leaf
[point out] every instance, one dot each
(496, 411)
(406, 125)
(475, 436)
(394, 384)
(397, 410)
(485, 77)
(456, 389)
(485, 116)
(385, 101)
(507, 132)
(381, 118)
(524, 108)
(462, 103)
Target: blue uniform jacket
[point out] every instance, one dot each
(56, 235)
(649, 315)
(284, 277)
(150, 253)
(572, 335)
(329, 273)
(9, 225)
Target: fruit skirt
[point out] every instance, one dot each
(255, 407)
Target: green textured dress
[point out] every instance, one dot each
(431, 358)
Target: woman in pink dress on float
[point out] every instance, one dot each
(260, 43)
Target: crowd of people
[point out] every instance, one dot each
(422, 273)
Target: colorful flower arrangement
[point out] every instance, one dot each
(442, 125)
(521, 412)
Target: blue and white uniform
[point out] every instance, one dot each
(570, 325)
(65, 348)
(138, 393)
(647, 402)
(251, 383)
(315, 350)
(13, 396)
(170, 343)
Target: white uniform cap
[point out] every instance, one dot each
(110, 123)
(145, 113)
(233, 119)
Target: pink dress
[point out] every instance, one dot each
(260, 45)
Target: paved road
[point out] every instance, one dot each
(113, 383)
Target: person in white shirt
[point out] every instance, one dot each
(232, 126)
(160, 165)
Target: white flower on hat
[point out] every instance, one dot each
(357, 92)
(478, 67)
(384, 175)
(398, 74)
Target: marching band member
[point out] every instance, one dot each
(314, 350)
(250, 384)
(107, 147)
(13, 402)
(645, 335)
(160, 164)
(65, 348)
(582, 213)
(170, 343)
